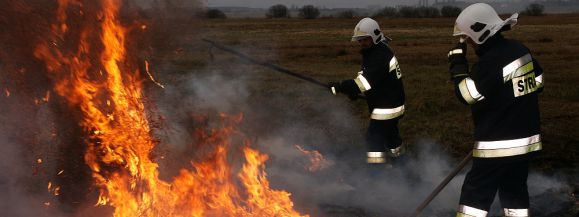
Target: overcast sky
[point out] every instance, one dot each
(324, 3)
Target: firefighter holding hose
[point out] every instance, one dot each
(380, 81)
(502, 90)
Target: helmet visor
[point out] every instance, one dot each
(457, 31)
(359, 34)
(358, 38)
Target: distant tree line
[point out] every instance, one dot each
(418, 12)
(312, 12)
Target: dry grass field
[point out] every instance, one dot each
(321, 49)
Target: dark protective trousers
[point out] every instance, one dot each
(485, 179)
(383, 135)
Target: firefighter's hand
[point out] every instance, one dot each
(458, 62)
(457, 53)
(334, 87)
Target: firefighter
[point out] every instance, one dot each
(380, 81)
(502, 90)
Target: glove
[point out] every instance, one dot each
(334, 87)
(457, 53)
(458, 62)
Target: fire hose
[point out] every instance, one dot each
(269, 65)
(442, 184)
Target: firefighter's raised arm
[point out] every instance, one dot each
(464, 86)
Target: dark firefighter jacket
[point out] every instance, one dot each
(503, 89)
(380, 81)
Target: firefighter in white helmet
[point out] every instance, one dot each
(502, 89)
(380, 81)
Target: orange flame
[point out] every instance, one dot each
(53, 189)
(109, 96)
(151, 76)
(317, 160)
(46, 97)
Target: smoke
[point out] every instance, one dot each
(315, 120)
(319, 122)
(379, 191)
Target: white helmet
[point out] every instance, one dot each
(368, 27)
(480, 21)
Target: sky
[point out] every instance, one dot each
(325, 3)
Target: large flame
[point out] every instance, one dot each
(109, 94)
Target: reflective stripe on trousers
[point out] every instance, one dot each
(387, 114)
(376, 157)
(380, 157)
(516, 212)
(505, 148)
(467, 211)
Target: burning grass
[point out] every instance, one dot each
(93, 65)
